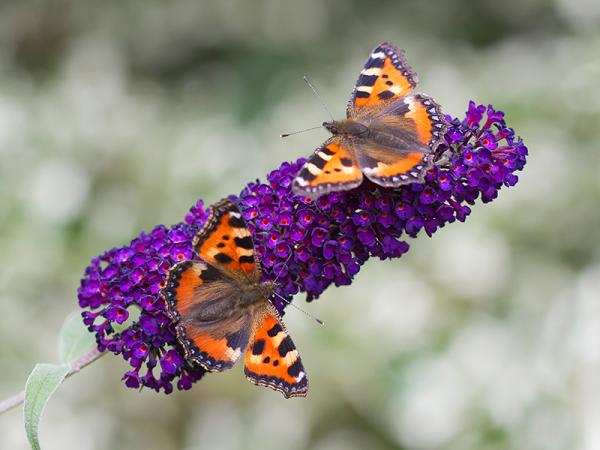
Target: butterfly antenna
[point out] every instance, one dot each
(285, 264)
(316, 319)
(301, 131)
(318, 96)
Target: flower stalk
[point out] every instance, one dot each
(85, 360)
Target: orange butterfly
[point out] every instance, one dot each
(222, 309)
(389, 135)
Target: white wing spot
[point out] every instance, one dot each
(290, 358)
(324, 156)
(234, 354)
(369, 170)
(276, 340)
(371, 71)
(255, 359)
(313, 169)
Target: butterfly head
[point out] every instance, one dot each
(268, 288)
(346, 127)
(332, 127)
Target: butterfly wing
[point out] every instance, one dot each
(385, 77)
(225, 242)
(332, 167)
(272, 359)
(203, 296)
(417, 126)
(200, 298)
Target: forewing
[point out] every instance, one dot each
(385, 77)
(200, 298)
(225, 242)
(331, 168)
(273, 361)
(418, 126)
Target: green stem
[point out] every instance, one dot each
(85, 360)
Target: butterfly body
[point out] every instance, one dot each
(226, 299)
(348, 127)
(389, 134)
(222, 310)
(376, 134)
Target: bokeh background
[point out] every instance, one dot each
(118, 115)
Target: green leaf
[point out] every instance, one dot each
(74, 339)
(41, 384)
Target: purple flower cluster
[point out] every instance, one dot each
(123, 282)
(307, 246)
(304, 245)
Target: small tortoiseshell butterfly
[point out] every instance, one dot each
(222, 307)
(389, 135)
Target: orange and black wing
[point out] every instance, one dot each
(385, 77)
(211, 332)
(332, 167)
(273, 361)
(225, 242)
(417, 126)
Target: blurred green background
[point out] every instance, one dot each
(118, 115)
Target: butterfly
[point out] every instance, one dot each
(389, 135)
(222, 309)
